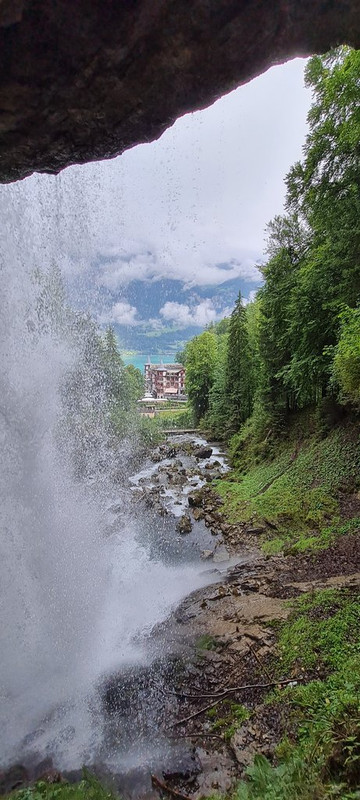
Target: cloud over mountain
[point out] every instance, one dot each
(121, 314)
(199, 315)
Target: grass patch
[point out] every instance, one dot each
(233, 716)
(321, 632)
(206, 642)
(88, 789)
(321, 760)
(297, 491)
(181, 417)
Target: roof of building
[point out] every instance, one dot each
(167, 367)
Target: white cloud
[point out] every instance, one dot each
(122, 313)
(180, 207)
(252, 295)
(199, 316)
(146, 265)
(198, 197)
(127, 262)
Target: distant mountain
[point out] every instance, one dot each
(160, 327)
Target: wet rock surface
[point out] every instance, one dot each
(184, 525)
(87, 80)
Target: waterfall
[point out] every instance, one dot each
(76, 596)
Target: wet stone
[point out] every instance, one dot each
(195, 499)
(15, 777)
(186, 765)
(203, 452)
(184, 525)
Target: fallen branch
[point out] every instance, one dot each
(196, 736)
(259, 661)
(197, 713)
(165, 788)
(231, 690)
(197, 696)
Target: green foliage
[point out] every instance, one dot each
(206, 642)
(289, 781)
(181, 417)
(298, 342)
(239, 379)
(296, 487)
(200, 360)
(218, 399)
(135, 383)
(346, 365)
(229, 719)
(150, 431)
(88, 789)
(321, 632)
(323, 759)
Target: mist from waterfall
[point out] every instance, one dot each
(77, 595)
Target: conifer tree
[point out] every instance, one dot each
(239, 383)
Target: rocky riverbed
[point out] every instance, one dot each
(188, 719)
(219, 645)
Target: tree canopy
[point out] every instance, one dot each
(298, 341)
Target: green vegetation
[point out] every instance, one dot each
(297, 490)
(173, 416)
(88, 789)
(229, 719)
(322, 631)
(296, 346)
(200, 357)
(280, 379)
(282, 387)
(239, 377)
(234, 714)
(319, 756)
(206, 642)
(346, 365)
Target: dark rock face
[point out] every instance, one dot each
(16, 777)
(86, 80)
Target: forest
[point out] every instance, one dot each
(297, 345)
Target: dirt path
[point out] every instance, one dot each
(236, 646)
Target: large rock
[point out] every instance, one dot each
(195, 499)
(86, 80)
(203, 451)
(184, 525)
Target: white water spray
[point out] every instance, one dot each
(73, 599)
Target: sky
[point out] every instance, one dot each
(192, 206)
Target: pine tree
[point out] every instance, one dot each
(114, 368)
(239, 379)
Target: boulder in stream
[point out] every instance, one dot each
(195, 499)
(184, 525)
(203, 451)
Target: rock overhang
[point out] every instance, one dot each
(86, 80)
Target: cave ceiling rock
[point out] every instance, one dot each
(82, 80)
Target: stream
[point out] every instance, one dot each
(141, 698)
(111, 715)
